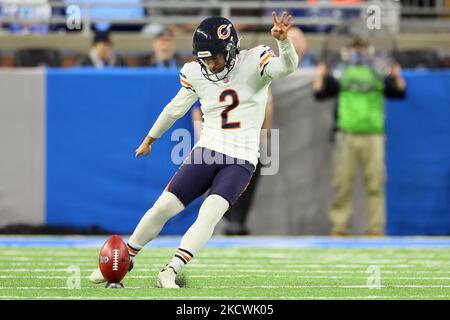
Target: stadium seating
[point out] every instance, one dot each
(38, 57)
(418, 59)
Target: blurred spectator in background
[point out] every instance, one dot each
(164, 55)
(236, 217)
(360, 138)
(101, 54)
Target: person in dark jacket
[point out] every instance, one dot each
(101, 54)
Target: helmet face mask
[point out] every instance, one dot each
(214, 36)
(229, 62)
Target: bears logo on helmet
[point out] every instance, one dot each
(227, 33)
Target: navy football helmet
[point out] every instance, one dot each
(216, 35)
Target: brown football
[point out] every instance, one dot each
(114, 259)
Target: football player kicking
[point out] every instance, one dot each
(232, 86)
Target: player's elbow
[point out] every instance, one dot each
(290, 66)
(284, 71)
(174, 111)
(291, 70)
(294, 63)
(288, 69)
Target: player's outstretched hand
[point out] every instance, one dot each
(145, 147)
(281, 27)
(143, 150)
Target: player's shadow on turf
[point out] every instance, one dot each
(181, 280)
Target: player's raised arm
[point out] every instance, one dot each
(287, 62)
(173, 111)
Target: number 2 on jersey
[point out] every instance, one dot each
(234, 103)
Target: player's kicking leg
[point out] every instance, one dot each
(228, 184)
(188, 183)
(148, 228)
(196, 237)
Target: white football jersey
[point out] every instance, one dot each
(234, 108)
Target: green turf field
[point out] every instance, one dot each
(235, 273)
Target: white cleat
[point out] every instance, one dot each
(166, 279)
(96, 276)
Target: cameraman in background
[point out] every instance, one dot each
(360, 91)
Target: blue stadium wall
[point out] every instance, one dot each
(418, 156)
(95, 119)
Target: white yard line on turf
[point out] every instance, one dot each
(225, 298)
(321, 286)
(245, 287)
(326, 254)
(212, 276)
(268, 265)
(267, 271)
(288, 256)
(247, 262)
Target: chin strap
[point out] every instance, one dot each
(228, 66)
